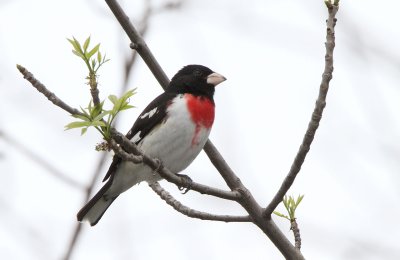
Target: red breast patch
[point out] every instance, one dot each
(201, 110)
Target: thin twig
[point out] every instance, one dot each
(316, 115)
(94, 92)
(42, 89)
(170, 200)
(132, 148)
(157, 166)
(159, 74)
(246, 198)
(141, 45)
(73, 111)
(143, 28)
(144, 25)
(296, 232)
(124, 155)
(223, 168)
(162, 78)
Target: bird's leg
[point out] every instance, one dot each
(187, 183)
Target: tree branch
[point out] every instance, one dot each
(170, 200)
(42, 89)
(316, 115)
(296, 232)
(143, 27)
(132, 148)
(159, 74)
(155, 164)
(246, 200)
(141, 46)
(240, 193)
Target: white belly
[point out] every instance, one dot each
(176, 143)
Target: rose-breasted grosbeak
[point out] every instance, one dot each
(173, 128)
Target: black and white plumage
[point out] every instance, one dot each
(174, 128)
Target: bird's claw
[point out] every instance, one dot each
(187, 183)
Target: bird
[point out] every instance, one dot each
(173, 128)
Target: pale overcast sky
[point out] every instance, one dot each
(272, 53)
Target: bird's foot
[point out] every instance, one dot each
(187, 183)
(159, 166)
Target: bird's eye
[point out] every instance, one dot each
(197, 73)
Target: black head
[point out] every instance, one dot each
(195, 79)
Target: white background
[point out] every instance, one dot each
(272, 53)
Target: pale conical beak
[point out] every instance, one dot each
(215, 78)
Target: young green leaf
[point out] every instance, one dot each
(82, 117)
(113, 99)
(78, 54)
(90, 108)
(281, 215)
(73, 43)
(86, 44)
(125, 107)
(96, 110)
(93, 64)
(85, 113)
(117, 107)
(101, 115)
(83, 130)
(299, 199)
(99, 57)
(93, 51)
(77, 124)
(97, 123)
(77, 46)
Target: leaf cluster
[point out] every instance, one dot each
(92, 58)
(100, 118)
(291, 205)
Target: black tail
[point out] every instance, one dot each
(96, 206)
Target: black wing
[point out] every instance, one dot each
(152, 115)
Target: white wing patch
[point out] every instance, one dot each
(149, 114)
(136, 137)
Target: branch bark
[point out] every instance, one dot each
(155, 165)
(316, 115)
(296, 232)
(131, 147)
(170, 200)
(159, 74)
(247, 200)
(48, 94)
(259, 216)
(240, 193)
(141, 46)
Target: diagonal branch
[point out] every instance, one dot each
(167, 197)
(140, 45)
(50, 95)
(316, 115)
(246, 199)
(144, 51)
(143, 26)
(135, 155)
(132, 148)
(296, 232)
